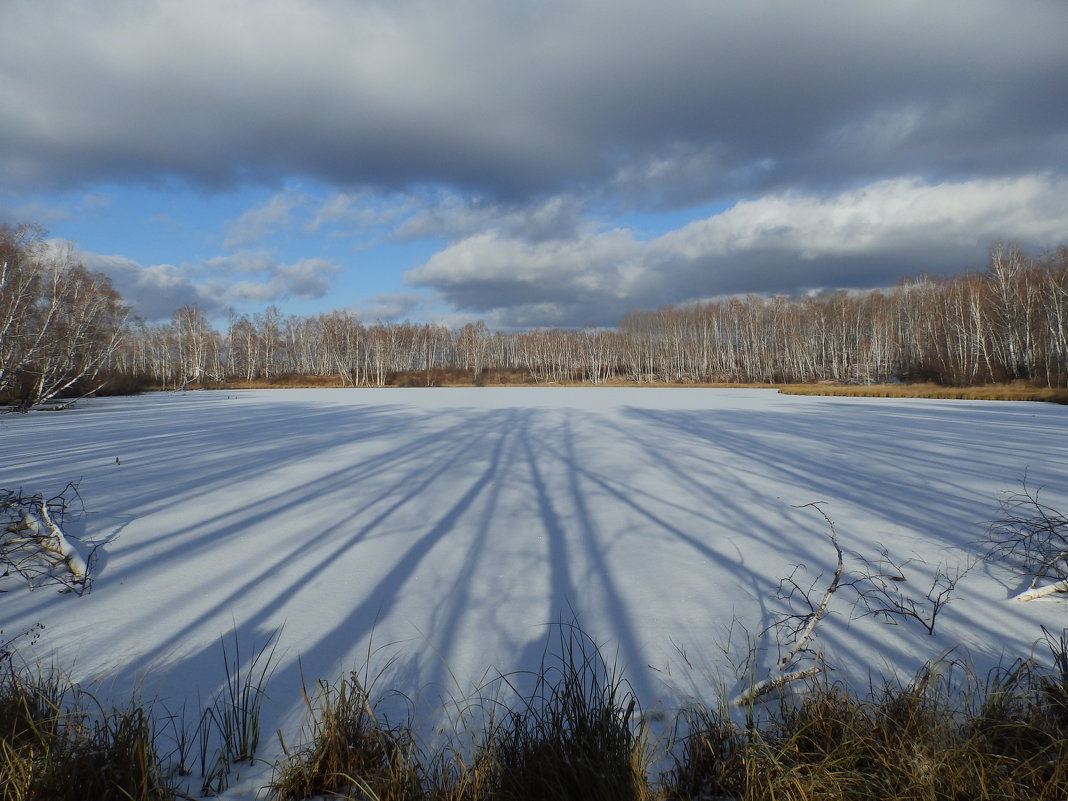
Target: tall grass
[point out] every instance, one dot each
(57, 743)
(940, 736)
(571, 736)
(229, 729)
(350, 750)
(571, 730)
(574, 736)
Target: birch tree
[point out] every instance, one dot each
(59, 322)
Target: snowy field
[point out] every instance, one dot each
(441, 530)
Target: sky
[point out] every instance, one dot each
(529, 162)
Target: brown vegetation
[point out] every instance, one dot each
(579, 734)
(1015, 391)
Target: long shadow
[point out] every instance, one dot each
(393, 505)
(892, 442)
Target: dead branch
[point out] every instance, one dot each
(1034, 538)
(815, 613)
(880, 593)
(33, 544)
(776, 682)
(798, 628)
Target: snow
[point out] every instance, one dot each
(441, 531)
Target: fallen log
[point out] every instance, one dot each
(39, 538)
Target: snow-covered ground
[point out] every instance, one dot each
(443, 529)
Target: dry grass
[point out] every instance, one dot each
(939, 737)
(577, 735)
(573, 737)
(278, 382)
(517, 377)
(57, 743)
(1001, 392)
(350, 751)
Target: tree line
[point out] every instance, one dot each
(64, 329)
(1007, 322)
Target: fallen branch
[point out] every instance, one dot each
(775, 683)
(33, 543)
(1034, 593)
(1034, 537)
(799, 627)
(814, 617)
(72, 557)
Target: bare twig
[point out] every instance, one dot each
(881, 595)
(1034, 537)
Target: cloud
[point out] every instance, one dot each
(451, 216)
(790, 243)
(390, 307)
(851, 142)
(264, 220)
(360, 210)
(87, 206)
(651, 103)
(307, 278)
(153, 292)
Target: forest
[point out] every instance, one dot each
(65, 330)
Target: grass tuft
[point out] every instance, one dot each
(574, 736)
(350, 751)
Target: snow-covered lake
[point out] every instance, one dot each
(445, 528)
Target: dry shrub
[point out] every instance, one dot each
(938, 737)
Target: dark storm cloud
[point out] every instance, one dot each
(516, 99)
(862, 134)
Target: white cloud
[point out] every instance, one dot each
(307, 278)
(898, 214)
(390, 307)
(154, 292)
(243, 262)
(264, 220)
(781, 243)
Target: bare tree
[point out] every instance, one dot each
(59, 322)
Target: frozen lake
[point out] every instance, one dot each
(445, 528)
